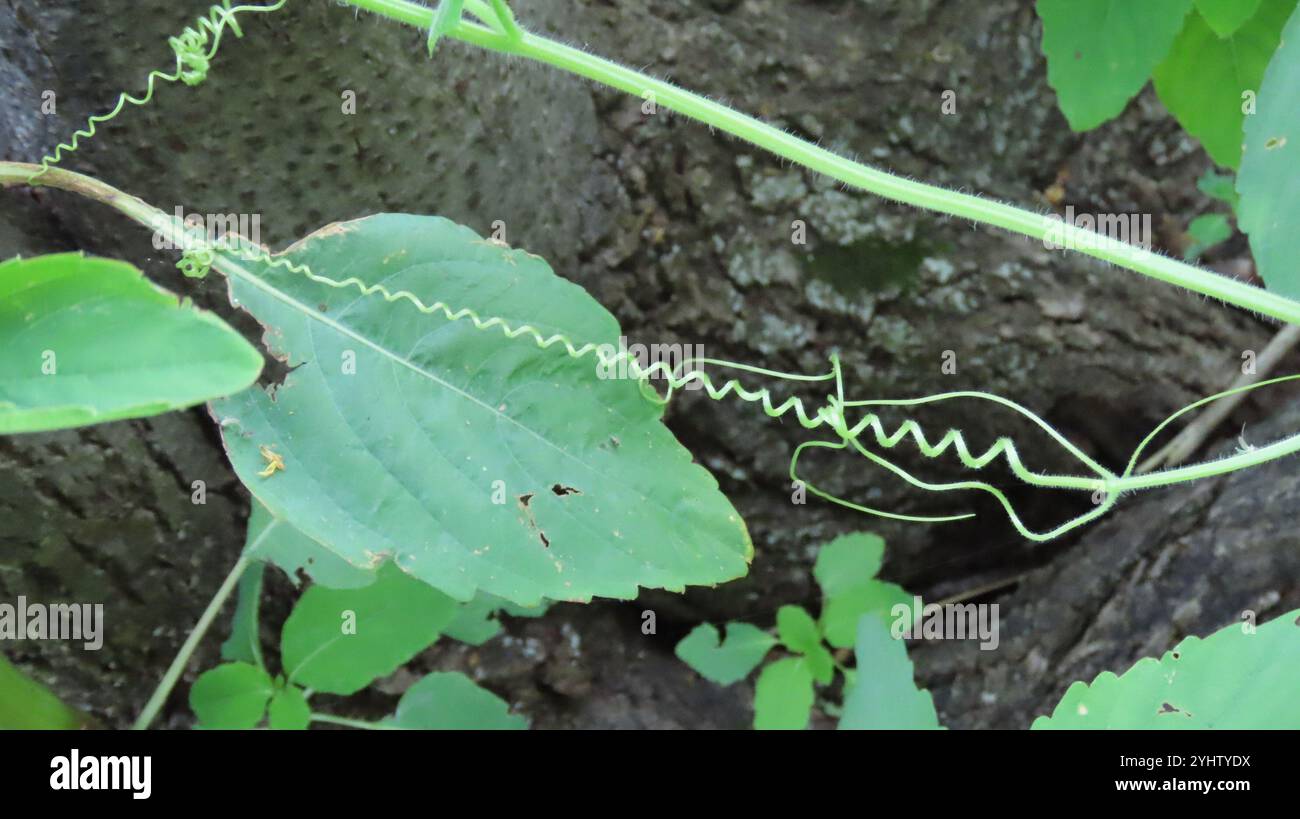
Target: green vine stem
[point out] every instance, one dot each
(351, 723)
(173, 673)
(507, 38)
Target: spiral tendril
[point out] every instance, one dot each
(194, 47)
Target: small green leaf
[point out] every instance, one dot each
(451, 701)
(1101, 52)
(1226, 16)
(839, 620)
(89, 340)
(1220, 186)
(233, 695)
(846, 570)
(884, 694)
(444, 20)
(848, 563)
(742, 651)
(783, 696)
(799, 633)
(475, 622)
(1233, 679)
(339, 640)
(289, 710)
(797, 630)
(245, 642)
(1269, 212)
(1203, 80)
(1206, 232)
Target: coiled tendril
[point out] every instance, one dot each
(194, 48)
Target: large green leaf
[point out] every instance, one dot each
(1269, 182)
(1202, 80)
(742, 651)
(476, 461)
(1101, 52)
(1235, 678)
(451, 701)
(89, 340)
(1226, 16)
(884, 693)
(340, 640)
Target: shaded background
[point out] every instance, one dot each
(685, 236)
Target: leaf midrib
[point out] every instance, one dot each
(280, 295)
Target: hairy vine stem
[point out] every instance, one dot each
(501, 33)
(173, 673)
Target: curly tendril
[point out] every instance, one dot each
(196, 262)
(194, 47)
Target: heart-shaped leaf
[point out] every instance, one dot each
(233, 695)
(744, 648)
(475, 460)
(289, 710)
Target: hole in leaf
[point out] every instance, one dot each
(1275, 142)
(524, 500)
(561, 490)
